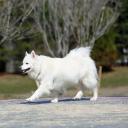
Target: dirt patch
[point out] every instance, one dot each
(116, 91)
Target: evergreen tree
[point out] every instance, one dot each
(105, 51)
(122, 30)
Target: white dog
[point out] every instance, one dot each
(55, 75)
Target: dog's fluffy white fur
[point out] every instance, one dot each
(55, 75)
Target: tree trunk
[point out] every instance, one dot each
(10, 68)
(10, 63)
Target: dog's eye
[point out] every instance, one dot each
(26, 63)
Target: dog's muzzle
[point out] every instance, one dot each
(25, 70)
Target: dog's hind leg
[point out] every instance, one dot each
(80, 93)
(56, 94)
(95, 94)
(91, 83)
(54, 100)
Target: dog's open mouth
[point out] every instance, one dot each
(25, 70)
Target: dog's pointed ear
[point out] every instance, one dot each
(26, 53)
(33, 54)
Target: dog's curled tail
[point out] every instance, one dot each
(82, 51)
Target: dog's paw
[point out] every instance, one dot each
(93, 99)
(54, 100)
(30, 99)
(77, 98)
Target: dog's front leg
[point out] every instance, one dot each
(37, 83)
(38, 93)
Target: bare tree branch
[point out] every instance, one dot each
(83, 20)
(63, 24)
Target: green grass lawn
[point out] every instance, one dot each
(18, 86)
(15, 86)
(118, 77)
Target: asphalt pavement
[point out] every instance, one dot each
(106, 112)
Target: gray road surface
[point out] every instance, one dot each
(107, 112)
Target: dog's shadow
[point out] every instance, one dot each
(49, 101)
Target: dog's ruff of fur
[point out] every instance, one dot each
(54, 76)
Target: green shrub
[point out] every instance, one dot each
(105, 51)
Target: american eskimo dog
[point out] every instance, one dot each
(55, 75)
